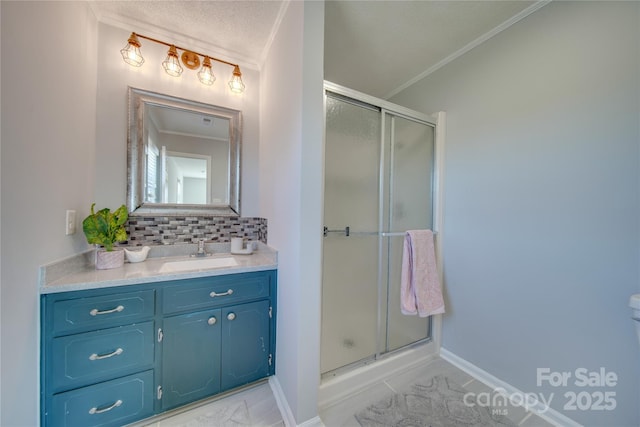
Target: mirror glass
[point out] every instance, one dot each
(183, 156)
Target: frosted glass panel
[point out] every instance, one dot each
(412, 174)
(352, 153)
(349, 300)
(402, 330)
(350, 281)
(410, 199)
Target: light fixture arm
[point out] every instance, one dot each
(131, 55)
(185, 49)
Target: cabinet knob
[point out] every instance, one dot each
(231, 316)
(212, 320)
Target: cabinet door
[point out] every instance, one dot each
(82, 359)
(190, 357)
(89, 313)
(245, 343)
(111, 403)
(211, 292)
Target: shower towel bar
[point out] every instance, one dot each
(347, 232)
(391, 234)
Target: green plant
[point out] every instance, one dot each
(105, 227)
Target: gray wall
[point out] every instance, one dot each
(541, 236)
(291, 147)
(48, 158)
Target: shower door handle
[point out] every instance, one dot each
(346, 231)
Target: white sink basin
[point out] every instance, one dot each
(197, 264)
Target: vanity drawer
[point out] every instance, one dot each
(90, 357)
(112, 403)
(102, 311)
(215, 291)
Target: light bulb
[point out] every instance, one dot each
(172, 65)
(205, 75)
(131, 52)
(235, 84)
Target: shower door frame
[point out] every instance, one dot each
(431, 344)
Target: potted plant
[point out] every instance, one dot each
(106, 228)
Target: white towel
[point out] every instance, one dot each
(420, 289)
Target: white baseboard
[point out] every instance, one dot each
(335, 389)
(285, 410)
(281, 401)
(313, 422)
(548, 414)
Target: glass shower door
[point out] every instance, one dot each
(379, 168)
(410, 208)
(350, 274)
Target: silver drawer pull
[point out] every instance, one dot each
(95, 410)
(212, 320)
(231, 316)
(96, 312)
(95, 356)
(224, 294)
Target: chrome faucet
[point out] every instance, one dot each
(201, 252)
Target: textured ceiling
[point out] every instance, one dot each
(376, 47)
(241, 30)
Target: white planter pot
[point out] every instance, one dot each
(106, 260)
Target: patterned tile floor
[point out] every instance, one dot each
(256, 405)
(252, 406)
(342, 414)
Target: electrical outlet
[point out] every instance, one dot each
(71, 222)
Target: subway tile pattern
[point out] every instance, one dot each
(171, 230)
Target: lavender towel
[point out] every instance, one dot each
(420, 290)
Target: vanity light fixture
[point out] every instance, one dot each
(206, 74)
(236, 84)
(171, 65)
(132, 56)
(131, 52)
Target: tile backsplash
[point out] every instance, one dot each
(170, 230)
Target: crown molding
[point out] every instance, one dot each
(483, 38)
(274, 31)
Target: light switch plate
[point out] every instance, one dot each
(71, 222)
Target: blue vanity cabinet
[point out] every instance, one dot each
(113, 356)
(210, 351)
(217, 334)
(98, 356)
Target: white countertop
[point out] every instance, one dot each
(76, 273)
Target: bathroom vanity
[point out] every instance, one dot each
(125, 344)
